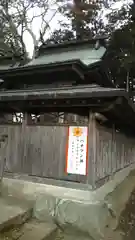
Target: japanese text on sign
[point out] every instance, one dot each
(77, 150)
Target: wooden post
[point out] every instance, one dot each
(23, 142)
(91, 150)
(27, 119)
(3, 145)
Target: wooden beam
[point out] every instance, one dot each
(91, 149)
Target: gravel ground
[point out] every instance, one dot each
(16, 233)
(127, 219)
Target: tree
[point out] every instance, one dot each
(18, 18)
(79, 19)
(91, 23)
(60, 36)
(119, 25)
(121, 52)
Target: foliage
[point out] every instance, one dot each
(121, 52)
(19, 18)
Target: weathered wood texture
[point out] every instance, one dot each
(38, 151)
(114, 151)
(41, 151)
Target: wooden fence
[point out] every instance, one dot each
(41, 151)
(114, 151)
(38, 151)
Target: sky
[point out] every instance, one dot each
(53, 18)
(55, 21)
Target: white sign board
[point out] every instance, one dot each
(76, 162)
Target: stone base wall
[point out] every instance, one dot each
(93, 214)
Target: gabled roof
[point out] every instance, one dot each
(70, 61)
(83, 51)
(87, 56)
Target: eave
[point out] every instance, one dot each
(46, 74)
(77, 92)
(70, 71)
(108, 101)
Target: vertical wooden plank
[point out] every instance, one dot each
(41, 151)
(91, 150)
(49, 165)
(60, 143)
(3, 144)
(12, 153)
(104, 152)
(35, 150)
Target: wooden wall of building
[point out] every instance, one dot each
(38, 151)
(114, 151)
(41, 151)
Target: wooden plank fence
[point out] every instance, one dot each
(114, 151)
(41, 151)
(38, 151)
